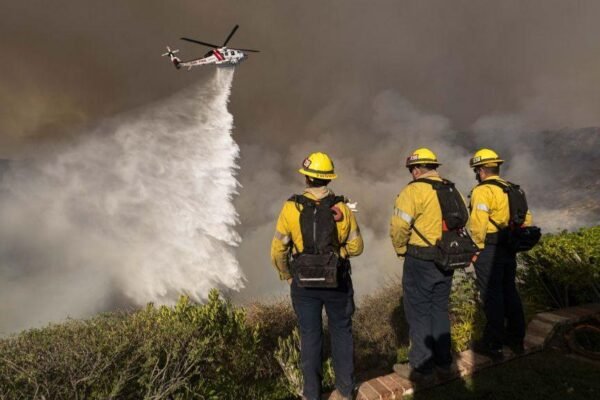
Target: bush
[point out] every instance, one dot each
(379, 328)
(273, 321)
(466, 314)
(562, 270)
(188, 351)
(288, 357)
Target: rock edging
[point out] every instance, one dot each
(540, 331)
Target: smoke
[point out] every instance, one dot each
(369, 139)
(137, 210)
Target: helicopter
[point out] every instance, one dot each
(219, 55)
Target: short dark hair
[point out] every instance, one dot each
(316, 182)
(426, 167)
(492, 170)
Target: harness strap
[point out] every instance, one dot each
(421, 236)
(505, 188)
(435, 184)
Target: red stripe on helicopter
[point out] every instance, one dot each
(218, 55)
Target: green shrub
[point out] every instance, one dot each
(273, 320)
(185, 352)
(466, 315)
(379, 328)
(288, 357)
(562, 270)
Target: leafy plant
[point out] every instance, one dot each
(182, 352)
(466, 314)
(288, 357)
(563, 269)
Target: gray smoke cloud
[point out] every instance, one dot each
(365, 81)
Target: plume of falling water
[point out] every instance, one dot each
(139, 209)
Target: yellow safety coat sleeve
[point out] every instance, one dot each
(281, 245)
(348, 230)
(402, 220)
(528, 219)
(481, 204)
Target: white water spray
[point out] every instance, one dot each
(139, 210)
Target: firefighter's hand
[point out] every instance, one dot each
(289, 281)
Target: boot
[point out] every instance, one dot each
(351, 397)
(417, 377)
(447, 373)
(483, 348)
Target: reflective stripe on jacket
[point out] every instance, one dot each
(489, 201)
(288, 234)
(416, 204)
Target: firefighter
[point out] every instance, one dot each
(311, 225)
(415, 225)
(495, 266)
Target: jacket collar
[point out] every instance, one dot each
(494, 177)
(430, 174)
(317, 193)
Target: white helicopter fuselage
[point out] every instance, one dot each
(222, 56)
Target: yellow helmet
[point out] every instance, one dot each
(422, 156)
(318, 165)
(485, 158)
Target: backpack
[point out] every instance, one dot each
(455, 249)
(516, 236)
(317, 265)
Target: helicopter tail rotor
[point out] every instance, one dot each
(171, 53)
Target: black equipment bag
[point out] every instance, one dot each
(455, 249)
(517, 237)
(318, 265)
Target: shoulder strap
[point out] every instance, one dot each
(329, 200)
(414, 228)
(332, 200)
(301, 199)
(505, 188)
(434, 183)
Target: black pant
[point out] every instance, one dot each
(339, 306)
(426, 291)
(496, 269)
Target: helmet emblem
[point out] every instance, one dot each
(306, 163)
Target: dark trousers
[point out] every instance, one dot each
(426, 291)
(496, 269)
(339, 306)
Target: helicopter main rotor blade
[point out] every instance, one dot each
(230, 35)
(249, 50)
(214, 46)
